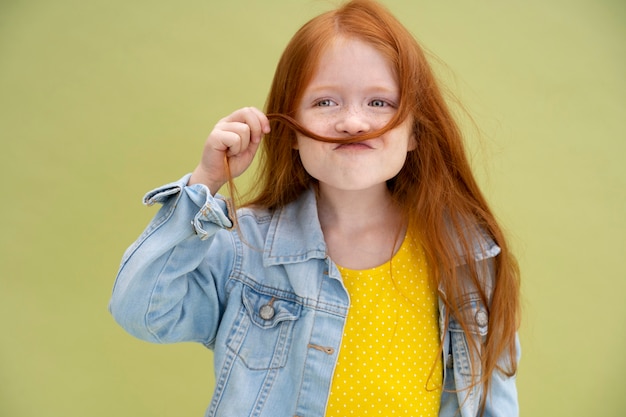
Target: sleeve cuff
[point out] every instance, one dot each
(212, 209)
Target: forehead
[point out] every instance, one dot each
(348, 59)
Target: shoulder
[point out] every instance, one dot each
(257, 215)
(285, 232)
(475, 252)
(472, 242)
(483, 245)
(299, 214)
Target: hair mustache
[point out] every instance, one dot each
(296, 126)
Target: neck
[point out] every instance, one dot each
(340, 208)
(362, 229)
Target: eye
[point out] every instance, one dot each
(325, 102)
(379, 103)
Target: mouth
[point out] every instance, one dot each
(353, 146)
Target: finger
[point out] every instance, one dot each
(264, 123)
(235, 137)
(254, 118)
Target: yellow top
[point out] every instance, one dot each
(390, 342)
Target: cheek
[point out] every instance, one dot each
(311, 156)
(409, 133)
(395, 164)
(300, 142)
(303, 146)
(412, 145)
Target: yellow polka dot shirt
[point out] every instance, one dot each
(390, 342)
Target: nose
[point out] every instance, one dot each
(352, 122)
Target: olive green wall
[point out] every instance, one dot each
(102, 100)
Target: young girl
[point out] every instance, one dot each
(367, 276)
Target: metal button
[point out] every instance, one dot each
(450, 361)
(267, 312)
(482, 319)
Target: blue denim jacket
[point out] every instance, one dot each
(269, 302)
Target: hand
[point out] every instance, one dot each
(236, 137)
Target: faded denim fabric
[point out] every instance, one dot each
(268, 301)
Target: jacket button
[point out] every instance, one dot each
(450, 361)
(267, 312)
(482, 319)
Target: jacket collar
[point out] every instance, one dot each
(295, 234)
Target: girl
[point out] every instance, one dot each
(367, 276)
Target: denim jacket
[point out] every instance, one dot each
(270, 303)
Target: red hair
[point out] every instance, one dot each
(436, 188)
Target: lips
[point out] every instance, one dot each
(354, 146)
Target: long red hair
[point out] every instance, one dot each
(436, 188)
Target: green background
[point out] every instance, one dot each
(101, 101)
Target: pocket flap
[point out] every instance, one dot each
(475, 313)
(267, 311)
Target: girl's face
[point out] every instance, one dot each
(353, 92)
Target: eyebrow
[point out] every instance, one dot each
(380, 89)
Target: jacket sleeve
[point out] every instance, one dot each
(502, 397)
(163, 293)
(501, 400)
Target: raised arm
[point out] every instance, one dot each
(170, 283)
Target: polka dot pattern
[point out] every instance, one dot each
(390, 342)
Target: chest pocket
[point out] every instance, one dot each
(477, 318)
(262, 334)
